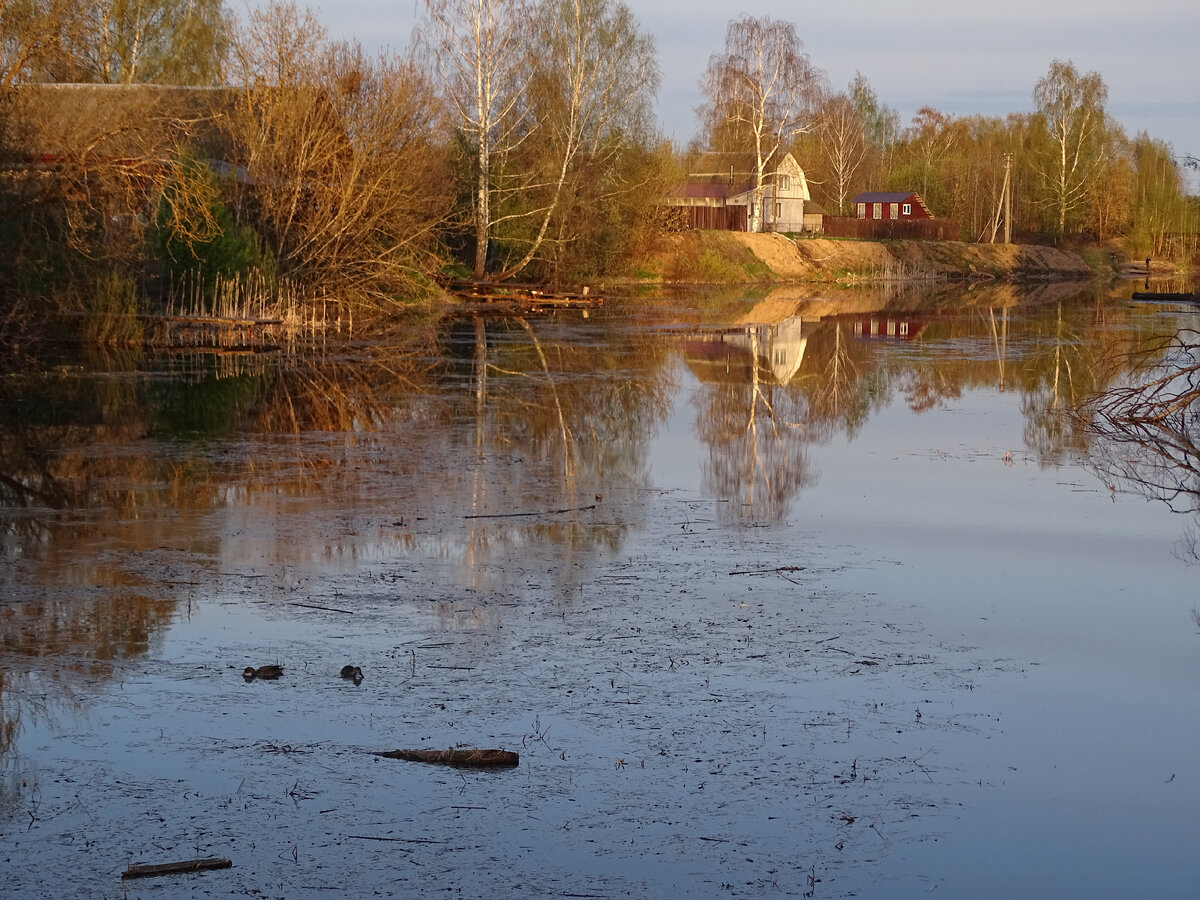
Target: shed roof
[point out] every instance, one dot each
(882, 197)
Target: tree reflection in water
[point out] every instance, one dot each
(1148, 425)
(557, 419)
(751, 419)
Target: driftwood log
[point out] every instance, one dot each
(1165, 295)
(471, 759)
(188, 865)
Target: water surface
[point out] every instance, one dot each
(775, 595)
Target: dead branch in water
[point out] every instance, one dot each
(548, 512)
(775, 571)
(175, 868)
(471, 759)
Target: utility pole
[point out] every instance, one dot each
(1007, 199)
(1004, 206)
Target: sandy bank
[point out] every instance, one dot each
(700, 256)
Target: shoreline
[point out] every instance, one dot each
(698, 257)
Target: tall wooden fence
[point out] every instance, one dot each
(710, 218)
(892, 229)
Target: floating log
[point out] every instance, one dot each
(1165, 295)
(175, 868)
(471, 759)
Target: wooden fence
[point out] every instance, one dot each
(892, 229)
(709, 218)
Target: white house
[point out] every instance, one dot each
(719, 194)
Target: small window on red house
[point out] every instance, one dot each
(877, 210)
(862, 210)
(907, 209)
(893, 210)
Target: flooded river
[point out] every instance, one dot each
(774, 595)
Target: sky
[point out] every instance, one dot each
(959, 56)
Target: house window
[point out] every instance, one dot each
(783, 183)
(877, 210)
(778, 211)
(903, 329)
(893, 209)
(862, 210)
(908, 209)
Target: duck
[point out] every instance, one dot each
(267, 673)
(352, 673)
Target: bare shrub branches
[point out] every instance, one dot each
(1150, 426)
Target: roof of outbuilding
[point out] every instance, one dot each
(883, 197)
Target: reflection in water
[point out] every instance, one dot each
(512, 429)
(746, 414)
(557, 419)
(792, 371)
(1148, 424)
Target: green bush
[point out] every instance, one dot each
(196, 241)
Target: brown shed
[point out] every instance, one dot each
(890, 205)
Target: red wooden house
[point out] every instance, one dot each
(890, 205)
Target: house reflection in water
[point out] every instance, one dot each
(903, 328)
(770, 352)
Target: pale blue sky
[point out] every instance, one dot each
(955, 55)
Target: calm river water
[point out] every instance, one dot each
(776, 595)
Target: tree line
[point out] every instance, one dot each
(1067, 168)
(167, 146)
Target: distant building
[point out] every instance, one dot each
(719, 194)
(884, 205)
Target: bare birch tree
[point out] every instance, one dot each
(762, 91)
(593, 96)
(1072, 106)
(844, 145)
(29, 33)
(483, 60)
(132, 41)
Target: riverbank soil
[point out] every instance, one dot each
(775, 257)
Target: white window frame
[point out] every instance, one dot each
(907, 209)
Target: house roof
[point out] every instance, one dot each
(888, 197)
(116, 119)
(709, 188)
(882, 196)
(722, 176)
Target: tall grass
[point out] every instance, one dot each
(247, 310)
